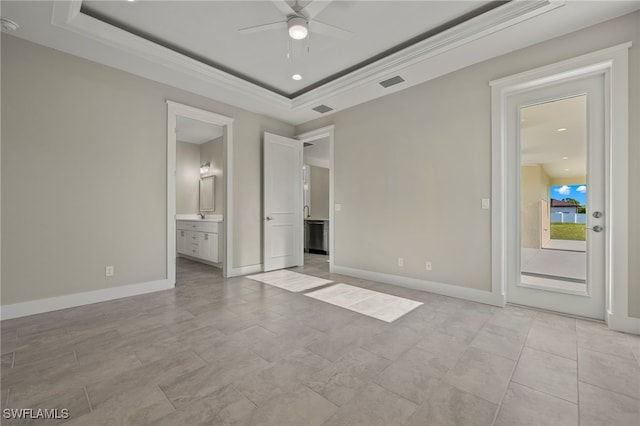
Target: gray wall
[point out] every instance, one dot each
(411, 168)
(211, 152)
(84, 174)
(319, 192)
(187, 176)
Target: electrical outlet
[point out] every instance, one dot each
(108, 271)
(427, 265)
(400, 261)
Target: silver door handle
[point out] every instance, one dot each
(596, 228)
(269, 218)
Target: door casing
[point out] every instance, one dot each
(613, 64)
(590, 302)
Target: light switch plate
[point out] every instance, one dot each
(486, 203)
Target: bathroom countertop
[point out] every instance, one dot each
(196, 217)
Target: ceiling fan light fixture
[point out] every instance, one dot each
(297, 27)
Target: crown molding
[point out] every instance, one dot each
(474, 29)
(67, 15)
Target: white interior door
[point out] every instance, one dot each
(557, 141)
(282, 214)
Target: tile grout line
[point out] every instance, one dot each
(515, 366)
(86, 395)
(6, 403)
(13, 360)
(604, 353)
(75, 355)
(577, 375)
(609, 390)
(552, 353)
(167, 398)
(546, 393)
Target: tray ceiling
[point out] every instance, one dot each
(195, 46)
(208, 32)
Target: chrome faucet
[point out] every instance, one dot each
(308, 210)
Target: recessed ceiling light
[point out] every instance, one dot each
(566, 170)
(565, 158)
(562, 129)
(296, 77)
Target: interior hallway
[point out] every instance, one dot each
(222, 351)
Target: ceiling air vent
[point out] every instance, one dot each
(322, 109)
(391, 81)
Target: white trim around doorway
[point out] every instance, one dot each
(613, 64)
(326, 132)
(175, 110)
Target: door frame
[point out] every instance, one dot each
(587, 300)
(326, 132)
(544, 212)
(612, 63)
(174, 110)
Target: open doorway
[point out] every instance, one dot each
(318, 195)
(199, 192)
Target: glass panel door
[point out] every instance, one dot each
(553, 195)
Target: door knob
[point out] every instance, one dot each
(269, 218)
(597, 214)
(596, 228)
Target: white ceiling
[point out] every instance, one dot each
(195, 131)
(208, 29)
(560, 153)
(318, 153)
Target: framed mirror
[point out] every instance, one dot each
(207, 193)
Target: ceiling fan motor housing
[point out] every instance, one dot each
(298, 27)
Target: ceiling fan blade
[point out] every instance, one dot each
(266, 27)
(284, 7)
(329, 30)
(315, 7)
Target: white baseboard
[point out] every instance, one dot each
(39, 306)
(624, 324)
(433, 287)
(244, 270)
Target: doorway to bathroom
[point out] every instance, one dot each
(199, 192)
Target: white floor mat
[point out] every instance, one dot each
(378, 305)
(289, 280)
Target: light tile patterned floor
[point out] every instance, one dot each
(234, 351)
(377, 305)
(291, 281)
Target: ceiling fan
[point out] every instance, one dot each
(300, 20)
